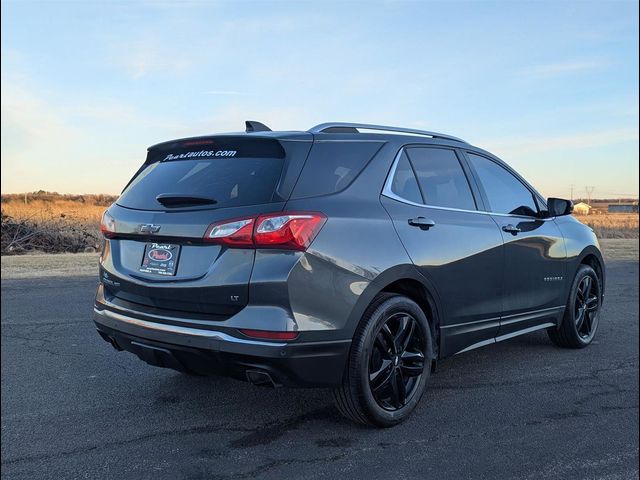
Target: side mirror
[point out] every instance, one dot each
(558, 207)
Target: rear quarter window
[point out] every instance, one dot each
(404, 182)
(332, 166)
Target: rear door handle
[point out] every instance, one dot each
(422, 223)
(512, 229)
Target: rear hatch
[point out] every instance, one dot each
(156, 256)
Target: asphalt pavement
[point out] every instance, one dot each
(72, 407)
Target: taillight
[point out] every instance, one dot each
(290, 230)
(235, 233)
(108, 225)
(286, 230)
(269, 335)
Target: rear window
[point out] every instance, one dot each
(332, 166)
(230, 175)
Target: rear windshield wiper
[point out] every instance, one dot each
(182, 200)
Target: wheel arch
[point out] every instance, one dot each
(593, 257)
(407, 281)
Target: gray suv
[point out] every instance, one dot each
(349, 256)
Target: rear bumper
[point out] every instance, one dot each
(207, 351)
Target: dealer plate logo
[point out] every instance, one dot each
(160, 255)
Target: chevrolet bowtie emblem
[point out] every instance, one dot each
(149, 228)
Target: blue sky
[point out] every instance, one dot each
(550, 87)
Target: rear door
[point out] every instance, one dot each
(163, 214)
(534, 249)
(458, 249)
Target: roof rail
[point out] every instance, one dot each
(345, 127)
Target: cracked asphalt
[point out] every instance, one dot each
(72, 407)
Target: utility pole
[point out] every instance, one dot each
(589, 191)
(572, 192)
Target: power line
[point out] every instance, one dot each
(589, 190)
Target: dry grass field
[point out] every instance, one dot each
(613, 225)
(53, 223)
(43, 210)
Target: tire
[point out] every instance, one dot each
(391, 354)
(582, 313)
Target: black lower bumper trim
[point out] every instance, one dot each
(304, 365)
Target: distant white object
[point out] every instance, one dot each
(582, 208)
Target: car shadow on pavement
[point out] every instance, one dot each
(282, 409)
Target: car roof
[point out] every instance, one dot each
(347, 131)
(333, 131)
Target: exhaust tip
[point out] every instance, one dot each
(261, 379)
(110, 340)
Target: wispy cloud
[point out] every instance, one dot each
(141, 58)
(550, 70)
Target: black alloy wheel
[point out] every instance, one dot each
(389, 363)
(396, 362)
(582, 313)
(586, 307)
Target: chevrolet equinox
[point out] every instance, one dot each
(349, 256)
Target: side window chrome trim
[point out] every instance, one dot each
(388, 192)
(393, 196)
